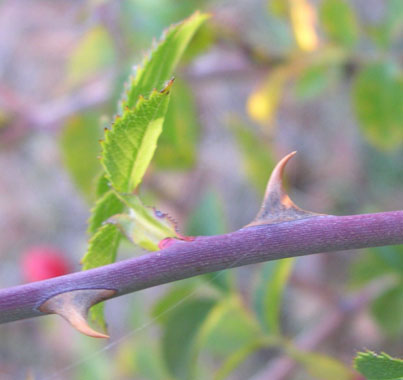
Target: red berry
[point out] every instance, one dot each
(42, 262)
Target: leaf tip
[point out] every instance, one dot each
(168, 86)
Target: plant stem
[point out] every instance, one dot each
(212, 253)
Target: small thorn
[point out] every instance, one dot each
(277, 206)
(73, 306)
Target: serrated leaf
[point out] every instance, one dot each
(269, 293)
(144, 226)
(102, 250)
(105, 207)
(378, 366)
(80, 148)
(320, 366)
(339, 22)
(378, 102)
(177, 143)
(130, 144)
(180, 331)
(158, 66)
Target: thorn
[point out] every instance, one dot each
(277, 206)
(73, 306)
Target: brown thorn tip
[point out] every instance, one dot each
(277, 206)
(73, 306)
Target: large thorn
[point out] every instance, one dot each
(277, 206)
(73, 306)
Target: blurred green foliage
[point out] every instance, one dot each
(213, 316)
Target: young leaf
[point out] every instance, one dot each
(130, 144)
(378, 366)
(269, 294)
(159, 65)
(144, 226)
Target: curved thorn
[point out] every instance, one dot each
(277, 206)
(73, 306)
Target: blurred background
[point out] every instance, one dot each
(259, 80)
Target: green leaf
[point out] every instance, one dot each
(312, 82)
(94, 51)
(144, 226)
(388, 310)
(177, 143)
(339, 22)
(176, 295)
(105, 207)
(365, 268)
(378, 102)
(102, 250)
(228, 327)
(208, 219)
(391, 256)
(159, 65)
(80, 148)
(378, 366)
(149, 363)
(320, 366)
(130, 144)
(256, 155)
(235, 359)
(269, 293)
(180, 331)
(391, 28)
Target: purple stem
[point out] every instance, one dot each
(212, 253)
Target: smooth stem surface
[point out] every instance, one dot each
(211, 253)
